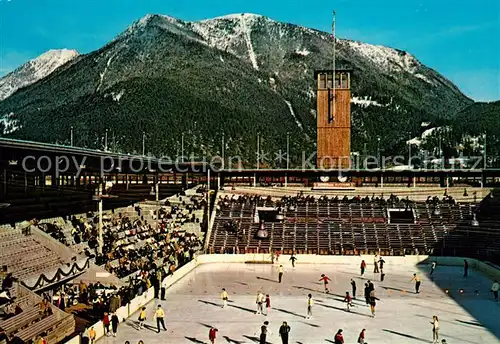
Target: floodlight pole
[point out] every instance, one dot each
(101, 241)
(157, 192)
(485, 165)
(106, 141)
(333, 63)
(222, 152)
(182, 147)
(258, 150)
(409, 151)
(143, 143)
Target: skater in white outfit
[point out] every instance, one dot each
(259, 301)
(309, 306)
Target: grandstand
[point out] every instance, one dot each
(53, 226)
(43, 264)
(350, 226)
(28, 322)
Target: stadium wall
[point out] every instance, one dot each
(125, 312)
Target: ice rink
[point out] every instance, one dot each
(193, 305)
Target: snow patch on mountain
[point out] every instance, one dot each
(236, 17)
(294, 115)
(9, 124)
(424, 78)
(117, 96)
(248, 39)
(35, 70)
(225, 33)
(103, 74)
(303, 52)
(148, 18)
(364, 101)
(386, 58)
(414, 141)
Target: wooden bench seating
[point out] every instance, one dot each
(45, 324)
(21, 320)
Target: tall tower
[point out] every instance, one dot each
(333, 118)
(333, 114)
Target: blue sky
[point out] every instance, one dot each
(458, 38)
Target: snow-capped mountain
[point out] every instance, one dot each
(34, 70)
(240, 75)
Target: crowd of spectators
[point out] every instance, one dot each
(289, 202)
(140, 247)
(300, 198)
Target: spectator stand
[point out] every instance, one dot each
(25, 317)
(344, 225)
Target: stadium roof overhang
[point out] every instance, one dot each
(30, 156)
(25, 155)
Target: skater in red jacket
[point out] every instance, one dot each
(362, 267)
(339, 338)
(325, 280)
(348, 299)
(212, 334)
(268, 304)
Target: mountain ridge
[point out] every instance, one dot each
(259, 70)
(34, 70)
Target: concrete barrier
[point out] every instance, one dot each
(308, 259)
(489, 269)
(138, 302)
(180, 273)
(74, 340)
(122, 313)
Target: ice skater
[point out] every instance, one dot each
(381, 262)
(353, 287)
(348, 299)
(142, 318)
(433, 267)
(417, 283)
(284, 332)
(114, 323)
(466, 268)
(367, 293)
(371, 286)
(435, 329)
(375, 264)
(494, 289)
(280, 273)
(160, 315)
(363, 267)
(212, 334)
(309, 306)
(268, 304)
(361, 337)
(293, 259)
(264, 331)
(373, 302)
(224, 297)
(259, 301)
(106, 321)
(325, 280)
(339, 338)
